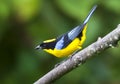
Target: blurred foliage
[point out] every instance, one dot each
(25, 23)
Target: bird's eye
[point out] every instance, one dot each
(43, 45)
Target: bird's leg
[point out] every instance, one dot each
(81, 61)
(73, 54)
(60, 63)
(70, 57)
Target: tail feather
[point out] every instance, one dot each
(89, 15)
(77, 30)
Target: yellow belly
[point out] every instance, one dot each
(72, 47)
(66, 51)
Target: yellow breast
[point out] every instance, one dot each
(66, 51)
(72, 47)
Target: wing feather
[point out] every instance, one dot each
(67, 38)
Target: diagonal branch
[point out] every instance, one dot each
(110, 40)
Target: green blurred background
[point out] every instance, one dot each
(26, 23)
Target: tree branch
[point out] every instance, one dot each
(110, 40)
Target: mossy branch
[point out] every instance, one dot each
(110, 40)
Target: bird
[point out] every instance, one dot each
(67, 43)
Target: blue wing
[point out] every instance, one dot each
(62, 42)
(67, 38)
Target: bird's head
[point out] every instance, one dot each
(42, 46)
(48, 44)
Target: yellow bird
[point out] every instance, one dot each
(69, 42)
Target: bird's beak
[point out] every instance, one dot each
(37, 47)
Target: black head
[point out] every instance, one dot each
(41, 46)
(44, 45)
(47, 45)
